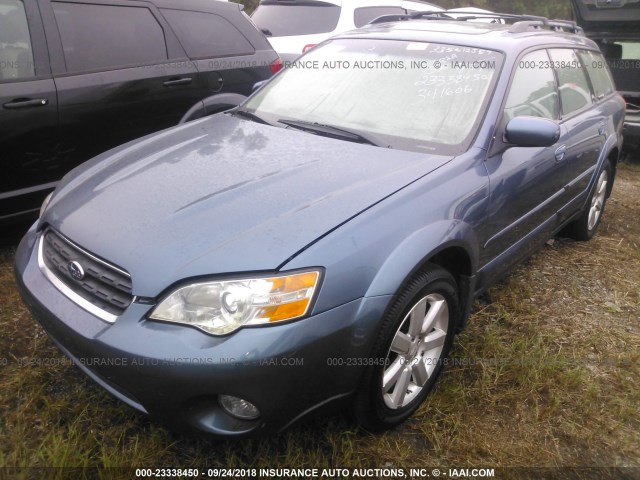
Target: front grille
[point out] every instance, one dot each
(102, 285)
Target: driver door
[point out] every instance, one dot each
(526, 185)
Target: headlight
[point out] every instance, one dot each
(224, 306)
(45, 204)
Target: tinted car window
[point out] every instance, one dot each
(623, 59)
(307, 19)
(362, 16)
(205, 35)
(575, 92)
(16, 57)
(533, 89)
(105, 36)
(631, 50)
(596, 67)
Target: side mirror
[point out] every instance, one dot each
(532, 132)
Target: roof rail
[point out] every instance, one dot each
(520, 23)
(545, 24)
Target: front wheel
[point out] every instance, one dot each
(416, 335)
(584, 228)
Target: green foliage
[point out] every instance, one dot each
(250, 5)
(546, 8)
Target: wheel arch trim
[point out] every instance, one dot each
(611, 145)
(437, 244)
(420, 248)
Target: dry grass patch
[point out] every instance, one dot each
(546, 374)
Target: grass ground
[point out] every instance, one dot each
(547, 374)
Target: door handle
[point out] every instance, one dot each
(218, 85)
(26, 103)
(176, 82)
(560, 152)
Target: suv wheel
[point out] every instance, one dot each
(416, 335)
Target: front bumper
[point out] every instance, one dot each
(177, 372)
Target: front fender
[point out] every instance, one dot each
(374, 253)
(410, 255)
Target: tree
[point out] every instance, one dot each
(545, 8)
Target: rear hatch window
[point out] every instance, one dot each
(364, 15)
(608, 16)
(623, 59)
(306, 17)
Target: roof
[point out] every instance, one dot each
(197, 5)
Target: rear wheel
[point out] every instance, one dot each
(417, 333)
(584, 228)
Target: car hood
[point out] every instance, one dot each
(608, 17)
(222, 195)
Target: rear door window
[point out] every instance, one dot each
(575, 92)
(296, 19)
(364, 15)
(16, 56)
(596, 66)
(96, 37)
(206, 35)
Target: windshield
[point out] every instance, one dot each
(312, 17)
(411, 95)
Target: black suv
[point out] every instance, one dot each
(78, 78)
(615, 26)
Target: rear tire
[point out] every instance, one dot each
(415, 338)
(585, 227)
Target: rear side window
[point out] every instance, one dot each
(362, 16)
(623, 59)
(596, 66)
(96, 37)
(285, 20)
(16, 57)
(206, 35)
(575, 92)
(630, 50)
(533, 89)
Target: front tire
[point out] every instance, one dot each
(416, 335)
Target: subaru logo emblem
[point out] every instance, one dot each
(75, 270)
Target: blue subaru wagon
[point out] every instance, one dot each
(320, 245)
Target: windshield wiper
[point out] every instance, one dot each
(333, 132)
(249, 115)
